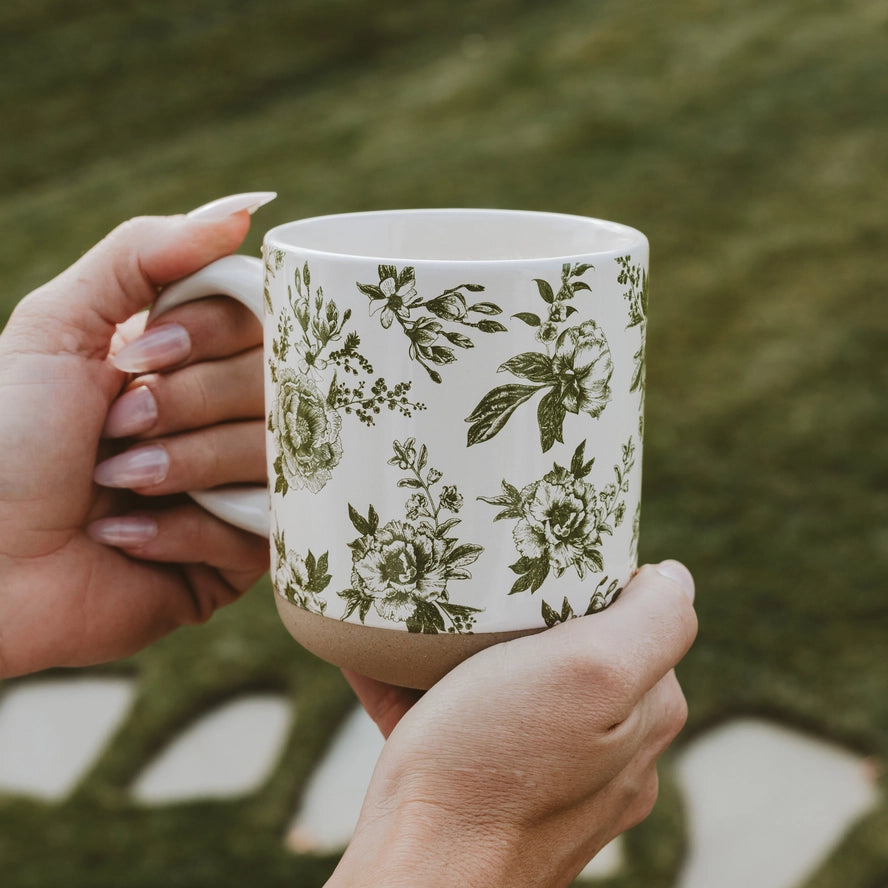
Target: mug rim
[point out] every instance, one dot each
(622, 238)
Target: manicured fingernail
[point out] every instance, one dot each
(678, 573)
(126, 531)
(131, 414)
(155, 349)
(216, 210)
(139, 467)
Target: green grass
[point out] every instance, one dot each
(746, 139)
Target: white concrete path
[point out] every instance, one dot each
(766, 805)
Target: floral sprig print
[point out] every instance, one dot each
(636, 277)
(603, 596)
(305, 416)
(560, 519)
(575, 370)
(402, 569)
(425, 322)
(300, 580)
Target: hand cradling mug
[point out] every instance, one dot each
(454, 404)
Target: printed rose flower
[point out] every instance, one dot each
(560, 518)
(398, 566)
(292, 580)
(451, 498)
(305, 431)
(417, 505)
(583, 365)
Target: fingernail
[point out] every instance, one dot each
(159, 347)
(678, 573)
(216, 210)
(131, 414)
(130, 530)
(139, 467)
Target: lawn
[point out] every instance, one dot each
(748, 140)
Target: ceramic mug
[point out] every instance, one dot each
(454, 404)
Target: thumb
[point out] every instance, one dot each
(78, 311)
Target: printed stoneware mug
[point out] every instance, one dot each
(454, 404)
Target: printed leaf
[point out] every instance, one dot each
(467, 553)
(387, 271)
(521, 584)
(579, 285)
(449, 524)
(487, 326)
(407, 274)
(422, 457)
(529, 318)
(576, 463)
(425, 618)
(550, 414)
(550, 618)
(459, 339)
(371, 290)
(372, 519)
(545, 290)
(494, 410)
(361, 524)
(534, 366)
(409, 482)
(582, 269)
(487, 308)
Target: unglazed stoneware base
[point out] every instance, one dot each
(407, 659)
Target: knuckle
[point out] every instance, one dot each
(645, 799)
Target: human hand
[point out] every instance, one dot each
(66, 599)
(524, 761)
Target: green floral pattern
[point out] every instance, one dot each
(330, 379)
(636, 296)
(575, 370)
(560, 519)
(300, 580)
(606, 593)
(431, 325)
(403, 568)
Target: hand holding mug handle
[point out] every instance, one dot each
(241, 278)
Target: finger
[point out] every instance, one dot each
(636, 641)
(120, 276)
(214, 327)
(194, 397)
(232, 453)
(186, 534)
(386, 704)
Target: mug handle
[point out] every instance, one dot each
(242, 278)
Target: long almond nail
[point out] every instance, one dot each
(139, 467)
(125, 531)
(133, 413)
(158, 348)
(216, 210)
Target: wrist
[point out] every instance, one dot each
(425, 844)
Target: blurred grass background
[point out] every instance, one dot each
(749, 140)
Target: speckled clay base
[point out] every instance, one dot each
(390, 655)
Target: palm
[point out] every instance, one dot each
(103, 604)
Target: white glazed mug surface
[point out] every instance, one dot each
(454, 405)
